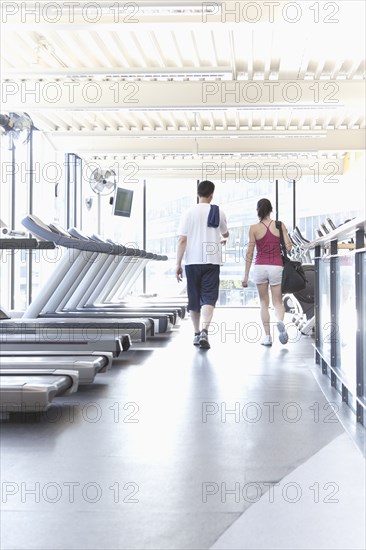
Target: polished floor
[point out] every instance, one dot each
(181, 448)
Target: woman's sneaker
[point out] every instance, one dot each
(267, 340)
(283, 336)
(196, 339)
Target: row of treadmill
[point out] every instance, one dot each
(80, 319)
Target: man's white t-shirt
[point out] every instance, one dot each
(203, 243)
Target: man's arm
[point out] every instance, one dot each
(182, 245)
(223, 225)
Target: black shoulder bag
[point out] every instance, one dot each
(293, 275)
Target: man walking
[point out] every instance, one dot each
(200, 234)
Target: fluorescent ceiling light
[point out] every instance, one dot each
(219, 135)
(122, 73)
(154, 9)
(218, 109)
(178, 8)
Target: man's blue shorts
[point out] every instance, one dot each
(203, 281)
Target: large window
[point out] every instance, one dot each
(239, 202)
(49, 188)
(166, 200)
(14, 204)
(339, 198)
(5, 216)
(120, 229)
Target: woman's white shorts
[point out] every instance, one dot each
(271, 274)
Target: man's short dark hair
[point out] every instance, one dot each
(205, 188)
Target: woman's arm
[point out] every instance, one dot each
(249, 256)
(286, 238)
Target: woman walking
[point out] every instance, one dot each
(265, 238)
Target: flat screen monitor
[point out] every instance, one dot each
(123, 202)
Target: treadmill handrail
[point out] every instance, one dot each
(37, 227)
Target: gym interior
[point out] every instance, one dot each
(116, 432)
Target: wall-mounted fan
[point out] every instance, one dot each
(103, 182)
(16, 126)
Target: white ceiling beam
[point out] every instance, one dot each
(354, 68)
(198, 120)
(233, 56)
(289, 119)
(108, 121)
(92, 142)
(326, 120)
(157, 49)
(138, 51)
(160, 119)
(268, 59)
(337, 65)
(63, 49)
(115, 44)
(195, 50)
(21, 53)
(304, 63)
(99, 50)
(187, 123)
(178, 49)
(217, 167)
(44, 122)
(80, 55)
(250, 120)
(250, 54)
(121, 72)
(352, 119)
(135, 96)
(214, 49)
(83, 15)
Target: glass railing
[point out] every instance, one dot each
(363, 320)
(326, 329)
(346, 319)
(340, 307)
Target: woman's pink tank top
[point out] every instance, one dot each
(268, 249)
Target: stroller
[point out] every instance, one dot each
(301, 304)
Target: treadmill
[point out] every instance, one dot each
(16, 335)
(20, 371)
(85, 334)
(87, 366)
(85, 263)
(33, 390)
(100, 284)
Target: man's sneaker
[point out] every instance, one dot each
(267, 340)
(203, 340)
(196, 339)
(283, 336)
